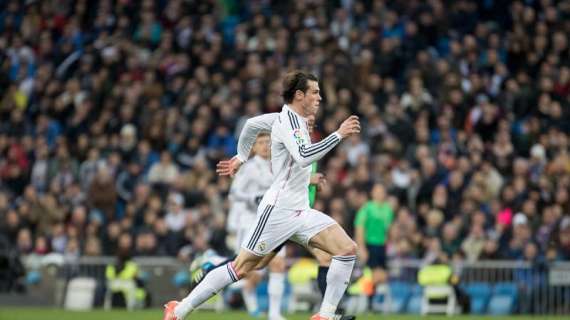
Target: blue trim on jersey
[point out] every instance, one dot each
(259, 228)
(317, 147)
(296, 119)
(294, 124)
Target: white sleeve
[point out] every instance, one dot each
(250, 131)
(301, 148)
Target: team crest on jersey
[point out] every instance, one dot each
(298, 135)
(261, 246)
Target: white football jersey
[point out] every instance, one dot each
(291, 155)
(240, 206)
(251, 182)
(248, 187)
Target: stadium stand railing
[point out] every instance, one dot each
(495, 287)
(511, 286)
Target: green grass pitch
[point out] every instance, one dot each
(57, 314)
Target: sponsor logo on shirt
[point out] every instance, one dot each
(298, 135)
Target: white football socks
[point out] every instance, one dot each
(214, 281)
(250, 299)
(275, 288)
(338, 278)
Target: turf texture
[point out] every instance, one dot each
(58, 314)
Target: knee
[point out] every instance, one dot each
(240, 269)
(379, 276)
(353, 248)
(243, 268)
(350, 249)
(243, 271)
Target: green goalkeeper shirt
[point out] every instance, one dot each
(375, 218)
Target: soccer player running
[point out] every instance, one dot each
(248, 187)
(240, 201)
(284, 212)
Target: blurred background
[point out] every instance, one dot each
(113, 114)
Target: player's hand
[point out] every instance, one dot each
(317, 178)
(228, 167)
(322, 184)
(349, 127)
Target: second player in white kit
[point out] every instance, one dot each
(247, 189)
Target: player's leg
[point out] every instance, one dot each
(276, 285)
(248, 284)
(280, 226)
(257, 244)
(209, 260)
(377, 263)
(324, 260)
(249, 293)
(334, 241)
(214, 281)
(329, 237)
(265, 261)
(271, 229)
(205, 264)
(379, 276)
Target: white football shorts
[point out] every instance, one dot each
(274, 226)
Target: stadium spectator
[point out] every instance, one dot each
(111, 107)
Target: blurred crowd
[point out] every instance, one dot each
(113, 114)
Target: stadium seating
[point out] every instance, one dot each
(80, 294)
(400, 293)
(303, 297)
(415, 303)
(180, 279)
(479, 293)
(504, 299)
(262, 296)
(127, 286)
(356, 304)
(304, 293)
(432, 292)
(33, 277)
(381, 299)
(262, 292)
